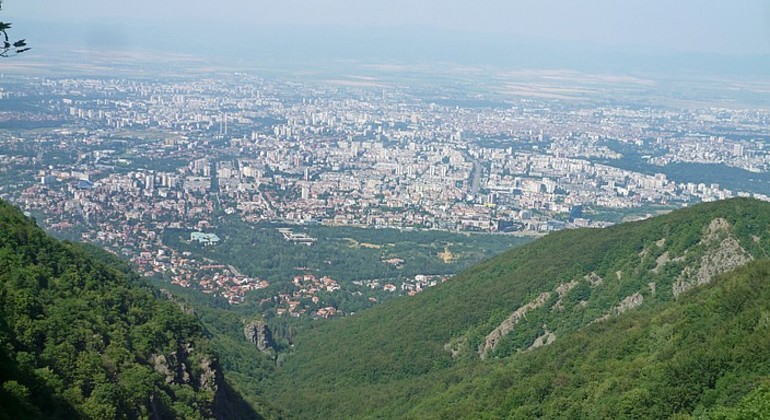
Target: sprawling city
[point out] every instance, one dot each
(121, 162)
(415, 209)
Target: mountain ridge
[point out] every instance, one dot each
(567, 281)
(664, 317)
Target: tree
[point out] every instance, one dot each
(10, 49)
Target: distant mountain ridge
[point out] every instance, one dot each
(504, 314)
(81, 336)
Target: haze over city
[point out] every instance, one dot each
(385, 209)
(346, 29)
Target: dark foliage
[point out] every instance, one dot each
(81, 337)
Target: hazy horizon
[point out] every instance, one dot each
(739, 27)
(629, 37)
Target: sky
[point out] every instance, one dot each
(722, 26)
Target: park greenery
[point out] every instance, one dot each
(344, 253)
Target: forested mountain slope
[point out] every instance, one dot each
(594, 323)
(82, 337)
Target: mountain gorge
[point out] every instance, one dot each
(666, 317)
(640, 319)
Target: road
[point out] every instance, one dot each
(475, 178)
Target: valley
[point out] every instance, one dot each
(354, 239)
(656, 318)
(592, 323)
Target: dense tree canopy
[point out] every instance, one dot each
(81, 336)
(700, 353)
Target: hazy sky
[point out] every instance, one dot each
(724, 26)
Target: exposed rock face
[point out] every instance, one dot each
(630, 302)
(161, 365)
(177, 368)
(715, 229)
(174, 366)
(718, 252)
(564, 288)
(182, 305)
(210, 375)
(723, 253)
(507, 326)
(259, 334)
(594, 279)
(660, 262)
(562, 291)
(544, 340)
(457, 346)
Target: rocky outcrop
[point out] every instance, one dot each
(185, 366)
(661, 262)
(564, 288)
(210, 377)
(562, 291)
(174, 366)
(457, 346)
(258, 333)
(630, 302)
(544, 340)
(723, 253)
(594, 279)
(507, 326)
(185, 307)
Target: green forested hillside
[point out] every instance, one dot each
(661, 318)
(697, 356)
(83, 337)
(624, 328)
